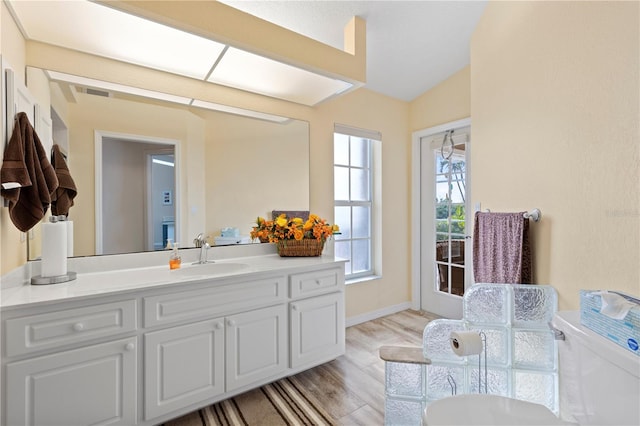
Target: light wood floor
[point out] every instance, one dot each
(351, 388)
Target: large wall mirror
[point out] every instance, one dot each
(147, 169)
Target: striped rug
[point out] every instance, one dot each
(280, 403)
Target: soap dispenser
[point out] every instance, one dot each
(174, 260)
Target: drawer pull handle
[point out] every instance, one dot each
(231, 323)
(129, 346)
(318, 282)
(78, 326)
(294, 307)
(218, 325)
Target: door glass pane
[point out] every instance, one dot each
(457, 279)
(442, 237)
(442, 229)
(442, 275)
(457, 191)
(458, 220)
(442, 194)
(440, 161)
(450, 221)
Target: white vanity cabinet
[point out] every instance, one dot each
(92, 385)
(316, 316)
(183, 365)
(256, 346)
(189, 363)
(150, 354)
(89, 384)
(317, 329)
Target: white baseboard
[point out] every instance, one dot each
(358, 319)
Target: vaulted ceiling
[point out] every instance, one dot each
(411, 45)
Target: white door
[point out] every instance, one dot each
(445, 246)
(91, 385)
(19, 99)
(256, 346)
(160, 190)
(183, 365)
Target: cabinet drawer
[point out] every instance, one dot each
(213, 301)
(317, 282)
(44, 331)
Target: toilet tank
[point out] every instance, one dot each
(599, 382)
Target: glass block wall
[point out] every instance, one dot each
(522, 360)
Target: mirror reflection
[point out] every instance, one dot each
(139, 178)
(227, 169)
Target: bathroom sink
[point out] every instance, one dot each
(210, 269)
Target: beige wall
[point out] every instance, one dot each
(253, 167)
(368, 110)
(554, 100)
(446, 102)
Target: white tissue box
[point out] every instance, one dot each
(624, 332)
(227, 241)
(230, 232)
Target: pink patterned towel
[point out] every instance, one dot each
(501, 250)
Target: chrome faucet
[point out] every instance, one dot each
(201, 242)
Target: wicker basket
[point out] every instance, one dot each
(305, 247)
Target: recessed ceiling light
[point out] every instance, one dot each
(254, 73)
(105, 85)
(96, 29)
(93, 28)
(239, 111)
(162, 162)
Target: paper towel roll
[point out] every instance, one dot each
(69, 238)
(54, 249)
(465, 343)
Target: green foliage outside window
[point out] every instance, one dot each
(457, 219)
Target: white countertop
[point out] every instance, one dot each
(116, 281)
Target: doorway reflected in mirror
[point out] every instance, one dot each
(137, 179)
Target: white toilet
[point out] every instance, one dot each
(599, 384)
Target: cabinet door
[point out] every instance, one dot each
(317, 329)
(91, 385)
(183, 365)
(256, 346)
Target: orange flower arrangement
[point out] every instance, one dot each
(283, 228)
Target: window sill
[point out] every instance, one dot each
(362, 279)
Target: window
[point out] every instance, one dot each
(353, 199)
(450, 213)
